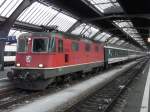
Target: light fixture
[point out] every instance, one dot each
(148, 39)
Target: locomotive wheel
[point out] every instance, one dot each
(67, 78)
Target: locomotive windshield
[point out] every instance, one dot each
(22, 45)
(40, 45)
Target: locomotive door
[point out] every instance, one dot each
(66, 58)
(66, 51)
(63, 52)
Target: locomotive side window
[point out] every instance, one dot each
(96, 48)
(60, 45)
(22, 45)
(52, 44)
(87, 47)
(75, 46)
(40, 45)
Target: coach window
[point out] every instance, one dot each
(75, 46)
(87, 47)
(52, 44)
(60, 45)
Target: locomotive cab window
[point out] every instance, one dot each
(52, 44)
(22, 45)
(60, 45)
(40, 45)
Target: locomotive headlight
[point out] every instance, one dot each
(40, 65)
(29, 39)
(18, 64)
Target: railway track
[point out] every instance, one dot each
(104, 99)
(20, 96)
(10, 97)
(17, 96)
(5, 87)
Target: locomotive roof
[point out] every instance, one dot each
(69, 36)
(66, 35)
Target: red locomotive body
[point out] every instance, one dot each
(43, 56)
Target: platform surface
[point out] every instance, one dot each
(3, 74)
(138, 100)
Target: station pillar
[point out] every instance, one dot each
(7, 24)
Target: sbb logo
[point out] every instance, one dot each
(28, 59)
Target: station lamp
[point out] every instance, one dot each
(148, 39)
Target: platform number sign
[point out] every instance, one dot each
(9, 39)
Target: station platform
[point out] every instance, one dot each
(3, 74)
(138, 96)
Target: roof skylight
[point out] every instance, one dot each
(127, 27)
(86, 30)
(106, 6)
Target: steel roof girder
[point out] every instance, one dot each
(94, 36)
(5, 27)
(7, 24)
(74, 26)
(107, 40)
(91, 6)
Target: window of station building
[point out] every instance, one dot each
(52, 44)
(40, 45)
(60, 45)
(6, 53)
(96, 48)
(22, 45)
(75, 46)
(87, 47)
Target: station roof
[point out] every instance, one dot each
(120, 22)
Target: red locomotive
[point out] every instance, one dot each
(41, 57)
